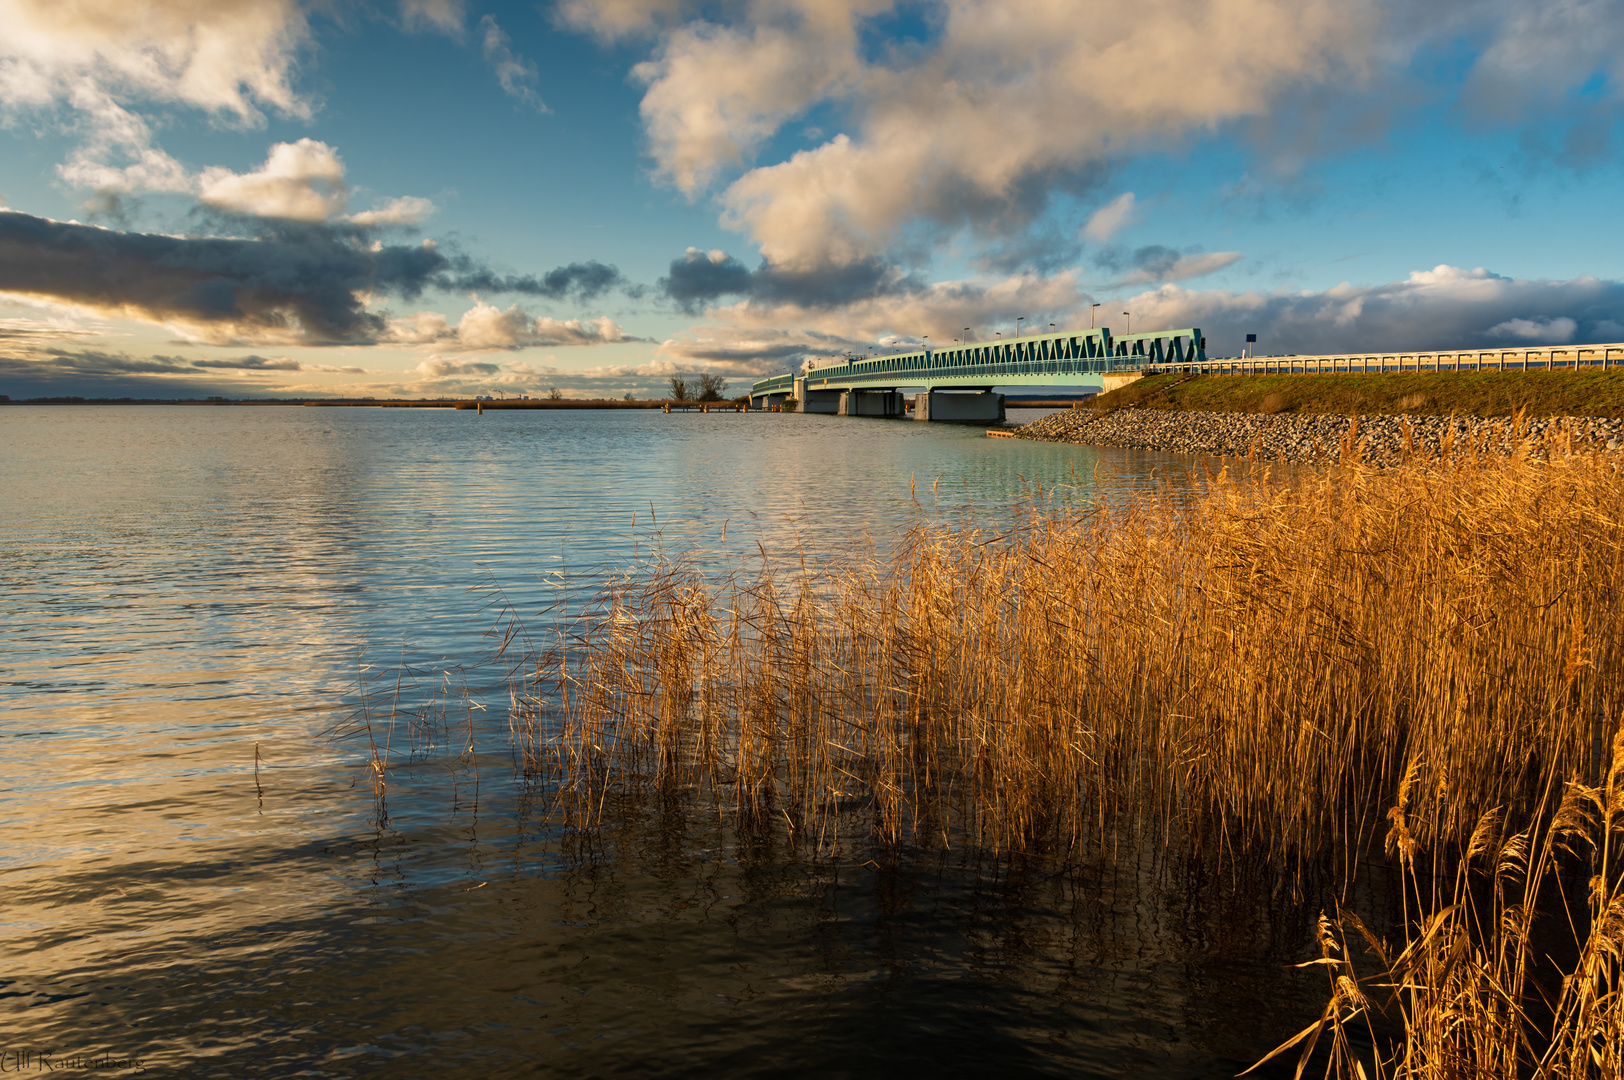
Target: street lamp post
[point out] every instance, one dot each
(1018, 322)
(1091, 312)
(1128, 329)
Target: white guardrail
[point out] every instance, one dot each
(1554, 358)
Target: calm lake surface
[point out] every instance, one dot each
(197, 877)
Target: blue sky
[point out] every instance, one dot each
(422, 197)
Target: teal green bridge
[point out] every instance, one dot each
(957, 381)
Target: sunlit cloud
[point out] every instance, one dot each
(1110, 219)
(486, 326)
(300, 181)
(1002, 107)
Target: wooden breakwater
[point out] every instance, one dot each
(527, 404)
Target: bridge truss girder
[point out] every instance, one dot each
(1060, 359)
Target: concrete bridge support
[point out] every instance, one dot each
(982, 408)
(1116, 382)
(881, 403)
(821, 401)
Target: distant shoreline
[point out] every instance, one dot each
(587, 404)
(357, 403)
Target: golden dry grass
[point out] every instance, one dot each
(1277, 671)
(1588, 392)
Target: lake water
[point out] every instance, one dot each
(196, 878)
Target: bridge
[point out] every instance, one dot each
(1097, 360)
(957, 381)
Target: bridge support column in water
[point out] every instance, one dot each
(882, 403)
(821, 401)
(983, 408)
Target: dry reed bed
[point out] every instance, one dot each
(1259, 662)
(1277, 670)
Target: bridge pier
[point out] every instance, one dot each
(881, 403)
(983, 408)
(821, 401)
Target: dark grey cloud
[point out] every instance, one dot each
(92, 373)
(26, 331)
(1155, 259)
(699, 278)
(96, 362)
(1443, 308)
(1157, 262)
(48, 372)
(737, 354)
(293, 281)
(306, 283)
(251, 363)
(1005, 217)
(1043, 251)
(582, 280)
(280, 363)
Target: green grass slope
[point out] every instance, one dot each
(1486, 393)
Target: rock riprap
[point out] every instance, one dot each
(1305, 437)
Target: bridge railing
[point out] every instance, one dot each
(1166, 351)
(1065, 353)
(1550, 358)
(777, 384)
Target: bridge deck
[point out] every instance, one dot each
(1059, 359)
(1068, 359)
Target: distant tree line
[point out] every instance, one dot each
(698, 387)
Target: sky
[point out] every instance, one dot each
(276, 198)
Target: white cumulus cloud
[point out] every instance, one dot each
(486, 326)
(300, 181)
(106, 59)
(1557, 331)
(405, 210)
(1000, 105)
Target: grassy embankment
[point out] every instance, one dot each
(1485, 393)
(1418, 669)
